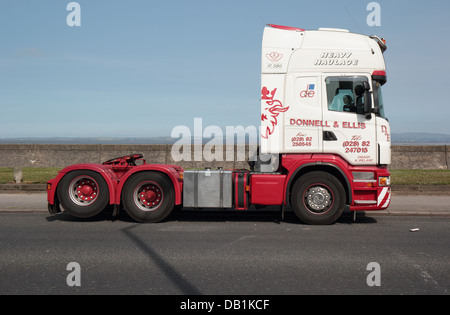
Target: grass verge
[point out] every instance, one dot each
(420, 177)
(31, 175)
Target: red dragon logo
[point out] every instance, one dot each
(271, 112)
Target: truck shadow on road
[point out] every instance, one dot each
(186, 215)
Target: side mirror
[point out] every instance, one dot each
(367, 100)
(366, 86)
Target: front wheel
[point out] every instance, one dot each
(148, 197)
(318, 198)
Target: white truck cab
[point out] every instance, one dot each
(321, 93)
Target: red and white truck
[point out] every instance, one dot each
(322, 123)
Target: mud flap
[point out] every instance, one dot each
(54, 208)
(241, 197)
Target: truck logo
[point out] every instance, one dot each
(271, 112)
(309, 92)
(384, 130)
(274, 56)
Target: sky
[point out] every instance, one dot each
(139, 68)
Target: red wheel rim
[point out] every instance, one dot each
(83, 190)
(148, 196)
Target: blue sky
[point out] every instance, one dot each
(138, 68)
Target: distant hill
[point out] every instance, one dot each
(420, 138)
(92, 140)
(412, 138)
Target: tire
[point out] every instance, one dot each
(318, 198)
(83, 193)
(148, 197)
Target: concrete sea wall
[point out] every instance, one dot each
(58, 155)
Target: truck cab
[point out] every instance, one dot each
(322, 112)
(321, 93)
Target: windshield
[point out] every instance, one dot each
(378, 98)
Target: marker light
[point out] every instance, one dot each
(380, 76)
(384, 181)
(287, 28)
(381, 73)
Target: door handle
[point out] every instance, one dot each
(329, 136)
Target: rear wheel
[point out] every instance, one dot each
(148, 197)
(83, 193)
(318, 198)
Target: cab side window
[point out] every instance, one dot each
(345, 94)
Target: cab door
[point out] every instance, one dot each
(348, 132)
(303, 121)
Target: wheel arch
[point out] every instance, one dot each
(324, 167)
(166, 170)
(105, 172)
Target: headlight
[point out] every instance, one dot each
(363, 176)
(384, 181)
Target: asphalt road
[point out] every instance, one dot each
(223, 253)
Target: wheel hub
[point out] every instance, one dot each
(150, 196)
(318, 199)
(86, 190)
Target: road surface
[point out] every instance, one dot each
(223, 253)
